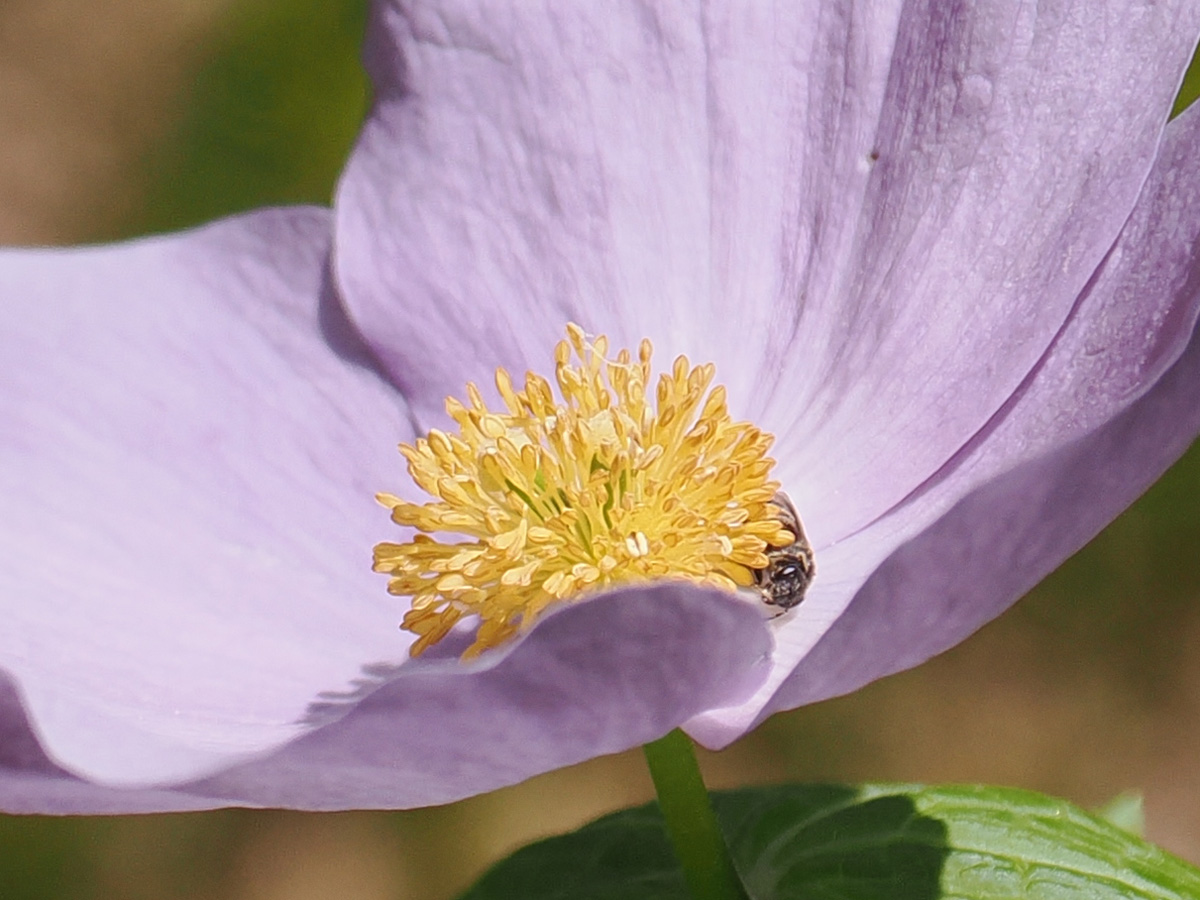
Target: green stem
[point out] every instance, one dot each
(691, 824)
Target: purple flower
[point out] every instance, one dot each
(945, 253)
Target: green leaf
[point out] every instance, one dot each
(877, 842)
(1126, 811)
(625, 855)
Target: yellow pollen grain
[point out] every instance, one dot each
(547, 500)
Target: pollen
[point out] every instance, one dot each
(549, 499)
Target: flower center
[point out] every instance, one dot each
(552, 500)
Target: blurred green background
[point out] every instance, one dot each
(122, 117)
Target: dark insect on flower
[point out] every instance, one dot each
(790, 569)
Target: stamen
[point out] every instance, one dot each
(553, 500)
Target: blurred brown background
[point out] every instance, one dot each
(120, 117)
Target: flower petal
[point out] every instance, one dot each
(593, 678)
(873, 221)
(1112, 404)
(31, 783)
(619, 165)
(1013, 143)
(191, 446)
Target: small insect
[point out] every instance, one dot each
(790, 569)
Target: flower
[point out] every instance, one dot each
(945, 255)
(555, 501)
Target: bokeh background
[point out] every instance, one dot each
(124, 117)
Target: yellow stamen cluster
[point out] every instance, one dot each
(555, 500)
